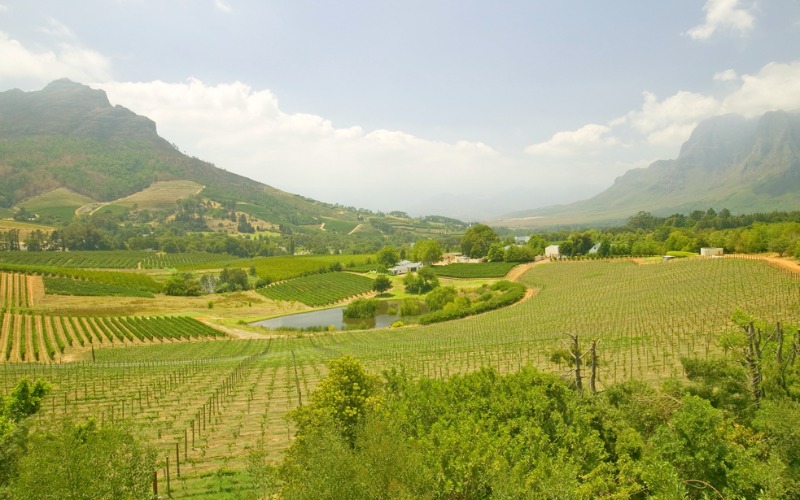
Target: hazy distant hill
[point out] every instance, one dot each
(68, 135)
(745, 165)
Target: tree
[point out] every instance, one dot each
(382, 283)
(476, 241)
(244, 226)
(25, 400)
(495, 253)
(427, 251)
(361, 308)
(182, 284)
(344, 398)
(388, 256)
(231, 280)
(423, 281)
(85, 461)
(518, 253)
(537, 244)
(440, 297)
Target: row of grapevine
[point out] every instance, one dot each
(19, 290)
(478, 270)
(114, 259)
(122, 279)
(182, 260)
(288, 266)
(58, 285)
(319, 289)
(28, 337)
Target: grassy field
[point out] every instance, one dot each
(219, 402)
(160, 195)
(60, 202)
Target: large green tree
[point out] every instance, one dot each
(476, 241)
(427, 251)
(388, 256)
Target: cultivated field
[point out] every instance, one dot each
(210, 405)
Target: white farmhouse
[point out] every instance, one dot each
(405, 267)
(551, 252)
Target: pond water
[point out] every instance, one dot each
(331, 317)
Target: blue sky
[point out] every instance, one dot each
(466, 108)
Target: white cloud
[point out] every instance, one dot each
(57, 29)
(671, 120)
(27, 68)
(723, 15)
(3, 8)
(588, 138)
(728, 75)
(245, 131)
(223, 6)
(775, 86)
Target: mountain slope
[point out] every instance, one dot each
(69, 135)
(745, 165)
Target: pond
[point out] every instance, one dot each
(334, 317)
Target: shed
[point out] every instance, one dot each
(551, 252)
(711, 252)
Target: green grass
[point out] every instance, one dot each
(319, 289)
(60, 202)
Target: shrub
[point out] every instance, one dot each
(361, 309)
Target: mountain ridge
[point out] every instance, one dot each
(729, 161)
(69, 135)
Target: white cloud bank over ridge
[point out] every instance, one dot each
(245, 131)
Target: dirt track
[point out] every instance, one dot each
(791, 265)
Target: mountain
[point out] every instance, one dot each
(744, 165)
(68, 135)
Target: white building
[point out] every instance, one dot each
(405, 267)
(551, 252)
(711, 252)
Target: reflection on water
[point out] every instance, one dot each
(333, 317)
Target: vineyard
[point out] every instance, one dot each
(216, 408)
(67, 286)
(117, 278)
(29, 337)
(482, 270)
(319, 289)
(19, 290)
(289, 266)
(113, 259)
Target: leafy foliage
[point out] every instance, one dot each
(361, 309)
(477, 240)
(422, 281)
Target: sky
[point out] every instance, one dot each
(461, 108)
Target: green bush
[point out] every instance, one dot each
(361, 309)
